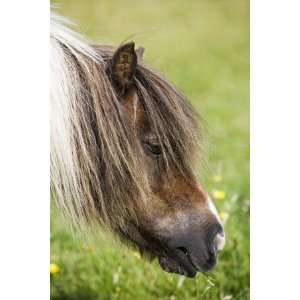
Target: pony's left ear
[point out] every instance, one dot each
(123, 65)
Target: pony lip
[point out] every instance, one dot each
(178, 263)
(173, 266)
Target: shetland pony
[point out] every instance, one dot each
(124, 142)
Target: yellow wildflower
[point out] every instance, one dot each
(219, 195)
(136, 254)
(217, 178)
(54, 268)
(224, 216)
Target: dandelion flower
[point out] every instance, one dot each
(54, 268)
(219, 195)
(217, 178)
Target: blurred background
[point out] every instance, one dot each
(203, 48)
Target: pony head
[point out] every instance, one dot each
(124, 143)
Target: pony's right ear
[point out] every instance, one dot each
(140, 54)
(123, 66)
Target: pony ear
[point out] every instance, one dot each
(140, 54)
(124, 62)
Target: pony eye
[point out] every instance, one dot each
(155, 149)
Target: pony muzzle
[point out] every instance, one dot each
(193, 251)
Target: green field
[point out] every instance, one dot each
(203, 47)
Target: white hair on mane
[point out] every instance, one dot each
(88, 136)
(61, 32)
(64, 89)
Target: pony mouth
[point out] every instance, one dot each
(180, 263)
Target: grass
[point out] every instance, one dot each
(203, 47)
